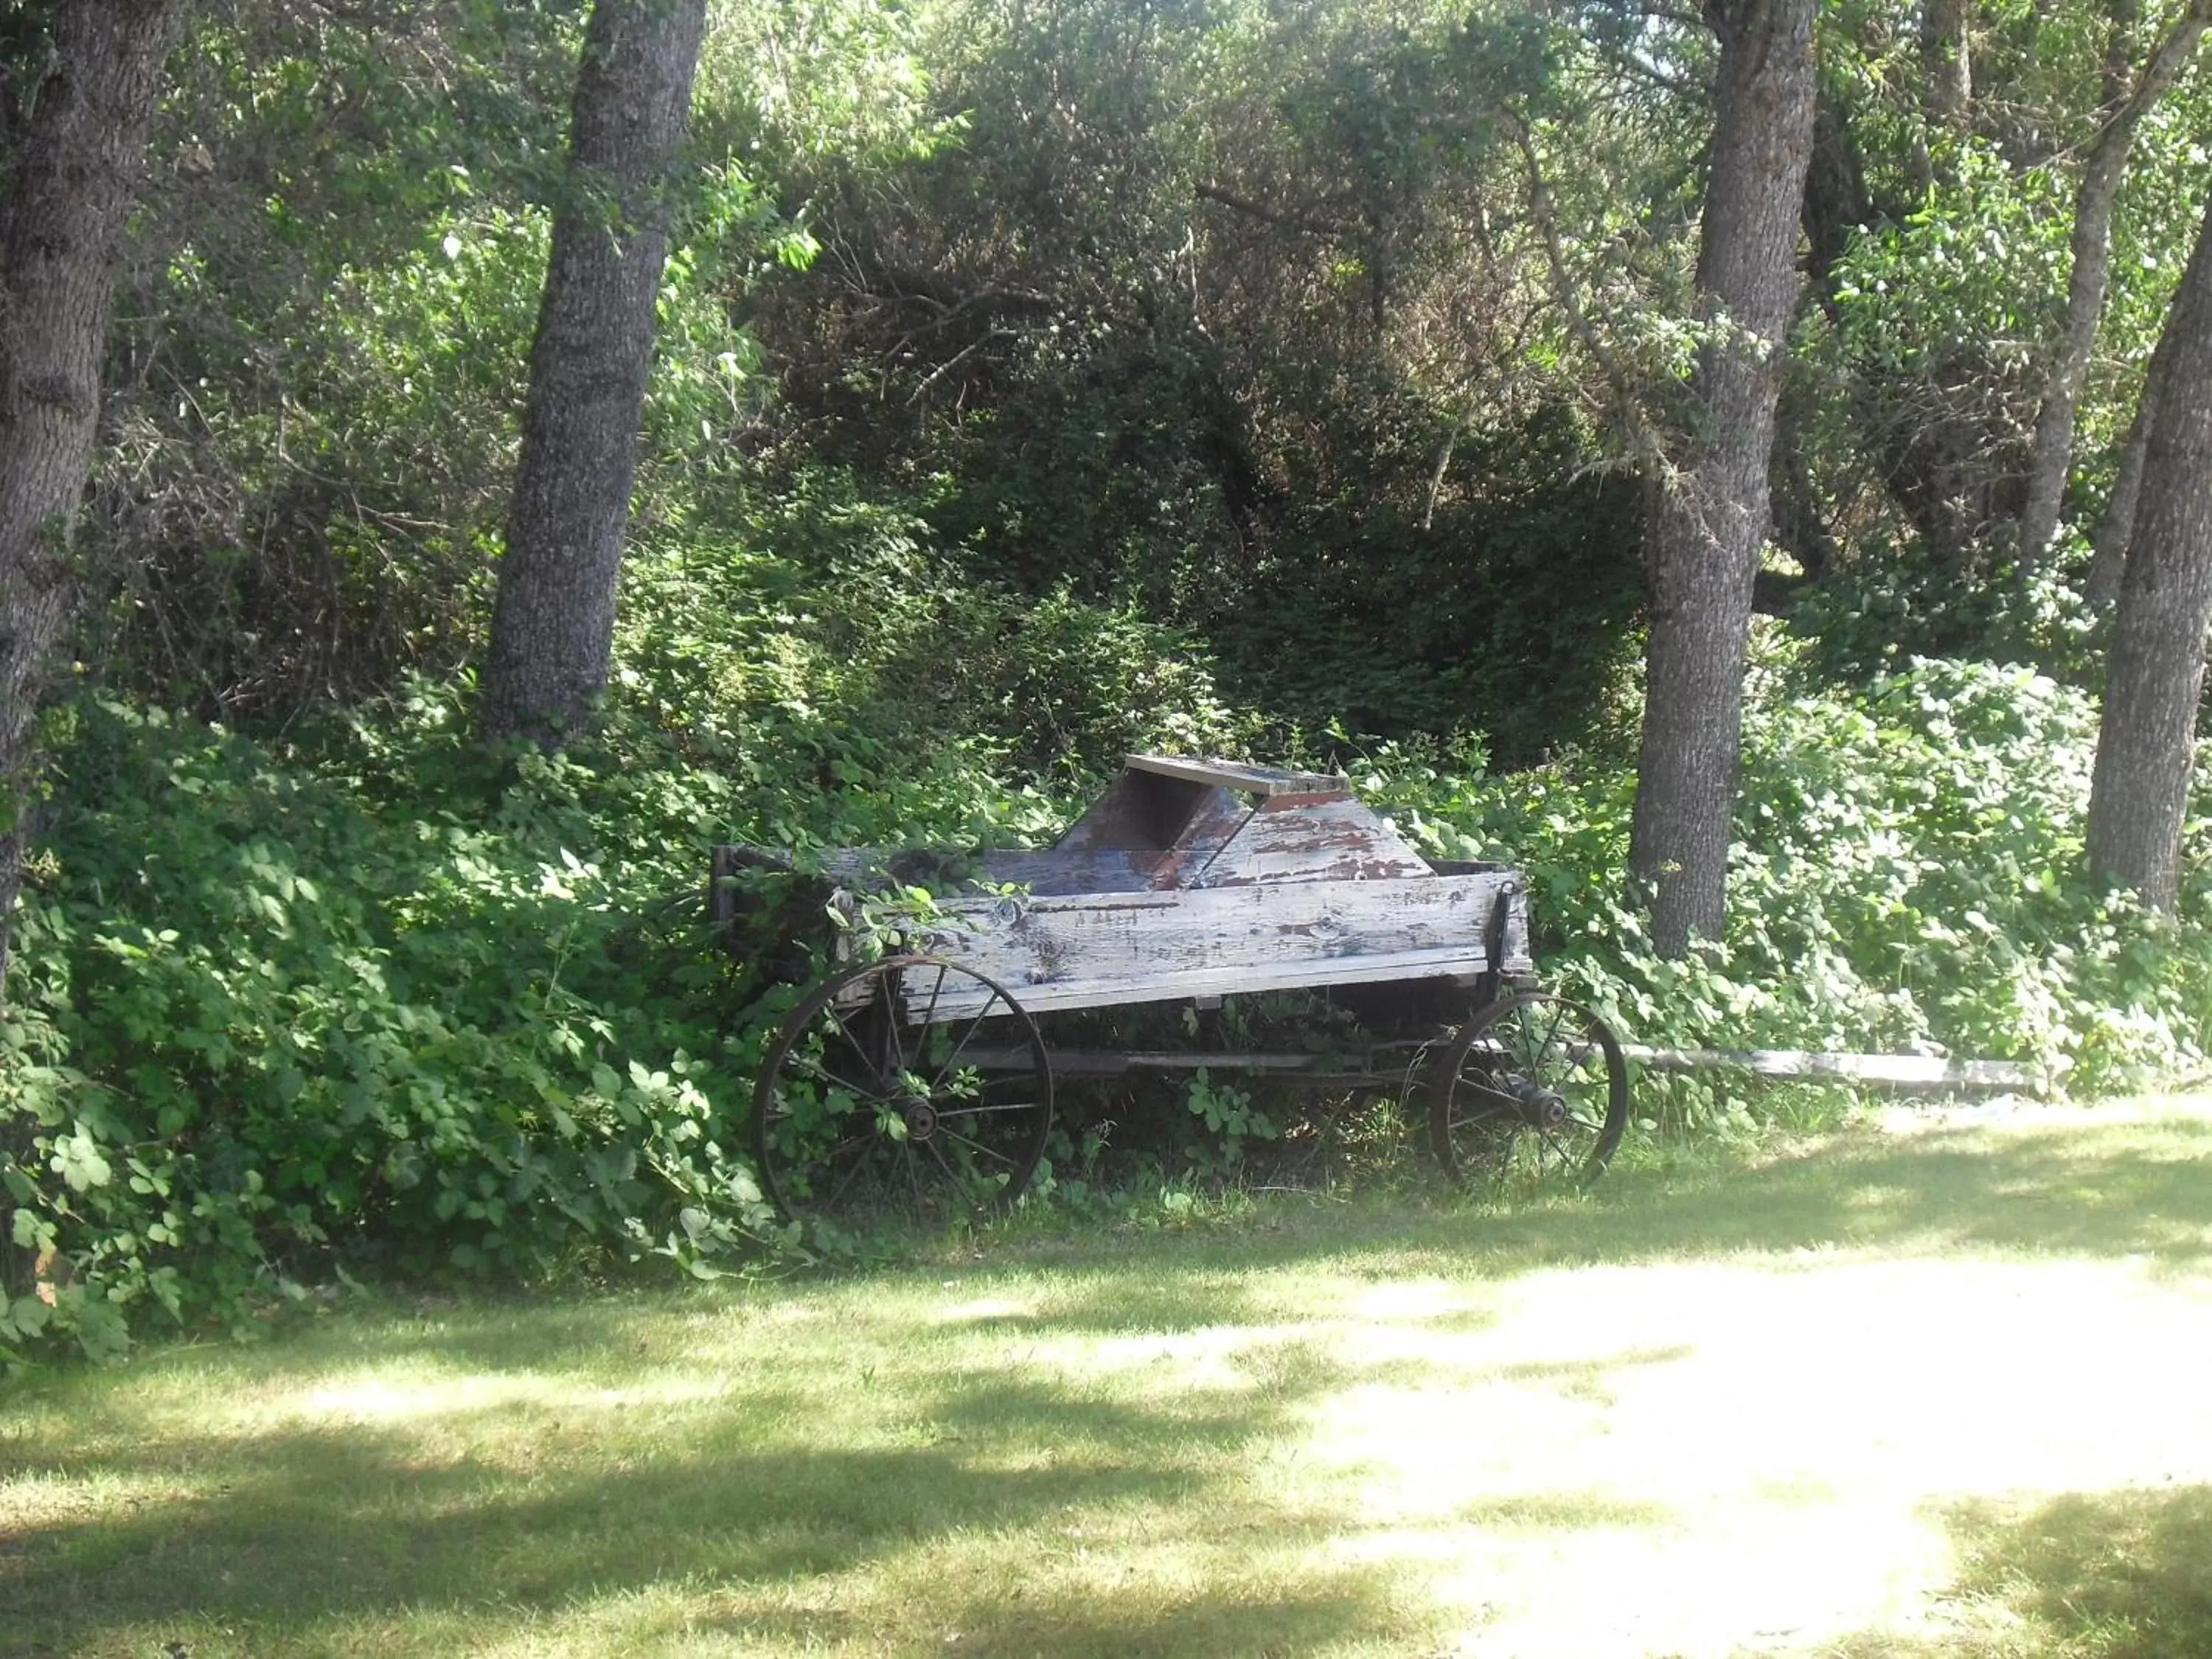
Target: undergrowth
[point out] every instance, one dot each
(1907, 877)
(361, 997)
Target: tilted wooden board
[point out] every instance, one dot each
(1099, 951)
(1261, 781)
(1329, 840)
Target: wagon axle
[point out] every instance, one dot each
(1536, 1106)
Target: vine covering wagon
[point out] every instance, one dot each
(923, 1081)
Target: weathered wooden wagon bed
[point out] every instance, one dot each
(922, 1080)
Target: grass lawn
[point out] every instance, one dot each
(1936, 1392)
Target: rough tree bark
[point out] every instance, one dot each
(2091, 248)
(553, 622)
(1709, 513)
(2147, 740)
(2108, 554)
(76, 163)
(1946, 61)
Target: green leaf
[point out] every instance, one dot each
(78, 1160)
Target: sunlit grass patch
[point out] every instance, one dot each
(1894, 1393)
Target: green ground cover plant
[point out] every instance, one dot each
(1907, 877)
(359, 998)
(1853, 1396)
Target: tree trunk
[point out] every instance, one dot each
(2145, 743)
(2108, 554)
(553, 623)
(76, 161)
(1947, 63)
(1710, 516)
(2091, 247)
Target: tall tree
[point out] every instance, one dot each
(2108, 548)
(2127, 99)
(553, 623)
(2147, 741)
(1710, 511)
(75, 163)
(1946, 65)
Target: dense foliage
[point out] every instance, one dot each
(365, 997)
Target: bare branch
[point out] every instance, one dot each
(1296, 221)
(1643, 433)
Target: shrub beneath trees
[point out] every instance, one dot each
(367, 999)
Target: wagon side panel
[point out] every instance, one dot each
(1101, 950)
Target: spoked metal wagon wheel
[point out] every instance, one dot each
(871, 1103)
(1532, 1092)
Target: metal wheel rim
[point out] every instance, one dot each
(859, 1113)
(1489, 1106)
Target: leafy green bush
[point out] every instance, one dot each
(1879, 615)
(361, 994)
(844, 610)
(1906, 876)
(377, 999)
(1511, 609)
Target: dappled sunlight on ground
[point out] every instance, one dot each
(1726, 1457)
(1936, 1392)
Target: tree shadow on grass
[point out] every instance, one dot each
(736, 1500)
(1325, 1606)
(2125, 1574)
(2124, 1189)
(2127, 1190)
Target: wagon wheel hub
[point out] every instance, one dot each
(921, 1117)
(1545, 1108)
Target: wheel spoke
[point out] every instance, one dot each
(869, 1062)
(845, 1181)
(959, 1180)
(959, 1047)
(975, 1145)
(944, 1112)
(1551, 1036)
(929, 1019)
(887, 989)
(1500, 1099)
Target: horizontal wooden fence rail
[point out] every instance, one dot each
(1377, 1065)
(1879, 1071)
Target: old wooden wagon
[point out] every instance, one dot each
(923, 1080)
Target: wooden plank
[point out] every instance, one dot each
(1236, 774)
(1047, 871)
(1217, 816)
(1886, 1071)
(1461, 965)
(1139, 813)
(1332, 841)
(1076, 953)
(1307, 1071)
